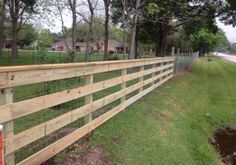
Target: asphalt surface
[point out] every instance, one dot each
(228, 57)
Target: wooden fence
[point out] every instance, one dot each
(159, 71)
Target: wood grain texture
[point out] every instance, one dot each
(23, 75)
(36, 104)
(66, 141)
(22, 139)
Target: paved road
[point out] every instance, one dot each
(227, 57)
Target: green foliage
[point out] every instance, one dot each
(56, 37)
(223, 43)
(45, 38)
(71, 55)
(152, 8)
(233, 48)
(228, 13)
(115, 33)
(27, 35)
(98, 31)
(204, 40)
(113, 58)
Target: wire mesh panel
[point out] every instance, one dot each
(184, 62)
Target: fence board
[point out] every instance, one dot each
(23, 75)
(29, 106)
(22, 139)
(66, 141)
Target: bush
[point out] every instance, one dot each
(111, 58)
(71, 55)
(111, 52)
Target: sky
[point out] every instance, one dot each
(230, 31)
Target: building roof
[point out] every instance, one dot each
(69, 43)
(116, 44)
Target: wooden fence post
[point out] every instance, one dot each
(141, 78)
(6, 97)
(88, 98)
(173, 51)
(123, 85)
(153, 73)
(1, 145)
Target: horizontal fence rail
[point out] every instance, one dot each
(97, 90)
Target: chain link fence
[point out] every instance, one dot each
(184, 62)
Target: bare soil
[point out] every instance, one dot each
(224, 140)
(93, 156)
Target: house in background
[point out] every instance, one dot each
(113, 46)
(61, 46)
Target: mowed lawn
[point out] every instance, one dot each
(28, 57)
(173, 124)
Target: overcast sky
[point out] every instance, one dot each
(230, 31)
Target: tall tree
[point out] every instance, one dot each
(18, 12)
(60, 6)
(45, 38)
(122, 11)
(72, 7)
(163, 17)
(91, 5)
(204, 40)
(106, 28)
(227, 13)
(27, 35)
(98, 31)
(134, 23)
(2, 23)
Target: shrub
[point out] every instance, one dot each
(111, 52)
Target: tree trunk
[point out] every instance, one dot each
(133, 31)
(89, 36)
(73, 30)
(98, 47)
(2, 20)
(124, 41)
(73, 33)
(106, 25)
(136, 45)
(14, 53)
(124, 26)
(60, 10)
(162, 38)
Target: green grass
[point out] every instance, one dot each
(27, 57)
(35, 90)
(173, 124)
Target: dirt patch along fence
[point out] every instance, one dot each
(46, 108)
